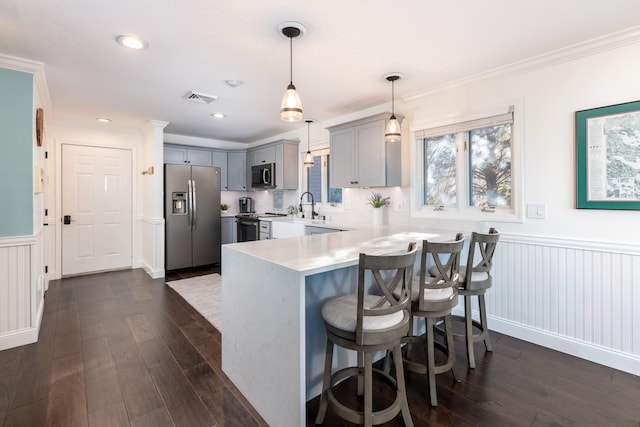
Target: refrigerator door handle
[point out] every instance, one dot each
(194, 217)
(189, 205)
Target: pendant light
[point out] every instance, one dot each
(392, 132)
(308, 160)
(291, 108)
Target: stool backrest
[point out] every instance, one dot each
(446, 259)
(392, 276)
(485, 245)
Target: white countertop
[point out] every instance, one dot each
(322, 252)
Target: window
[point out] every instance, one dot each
(468, 165)
(318, 180)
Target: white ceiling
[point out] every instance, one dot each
(337, 65)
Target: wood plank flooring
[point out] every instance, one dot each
(121, 349)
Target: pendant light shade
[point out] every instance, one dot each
(291, 107)
(392, 132)
(308, 160)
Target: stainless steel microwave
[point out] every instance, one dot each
(263, 176)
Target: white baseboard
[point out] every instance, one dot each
(584, 350)
(17, 338)
(154, 274)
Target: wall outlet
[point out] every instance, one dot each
(398, 205)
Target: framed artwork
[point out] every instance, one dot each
(608, 157)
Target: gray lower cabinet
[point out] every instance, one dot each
(361, 158)
(310, 230)
(228, 230)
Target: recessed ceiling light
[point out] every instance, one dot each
(103, 120)
(234, 83)
(132, 42)
(218, 115)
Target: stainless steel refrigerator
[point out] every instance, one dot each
(191, 216)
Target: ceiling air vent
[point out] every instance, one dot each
(199, 97)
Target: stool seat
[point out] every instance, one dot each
(341, 312)
(367, 323)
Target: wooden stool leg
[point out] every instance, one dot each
(451, 352)
(406, 414)
(431, 368)
(361, 358)
(468, 322)
(368, 389)
(483, 323)
(326, 382)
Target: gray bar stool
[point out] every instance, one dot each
(475, 279)
(433, 297)
(368, 323)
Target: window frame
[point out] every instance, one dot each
(323, 153)
(462, 210)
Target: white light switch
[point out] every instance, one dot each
(536, 210)
(398, 205)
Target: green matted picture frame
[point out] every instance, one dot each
(608, 157)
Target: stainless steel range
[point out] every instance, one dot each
(249, 225)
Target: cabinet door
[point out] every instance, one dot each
(227, 230)
(197, 157)
(265, 155)
(371, 157)
(342, 159)
(237, 171)
(175, 155)
(219, 159)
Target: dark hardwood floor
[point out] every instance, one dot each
(119, 349)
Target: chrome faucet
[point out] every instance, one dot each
(313, 205)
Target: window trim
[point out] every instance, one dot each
(324, 204)
(463, 212)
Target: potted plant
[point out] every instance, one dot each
(224, 208)
(377, 201)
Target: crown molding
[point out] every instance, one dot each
(566, 54)
(33, 67)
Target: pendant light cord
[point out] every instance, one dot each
(291, 60)
(393, 97)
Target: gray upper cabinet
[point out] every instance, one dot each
(192, 156)
(220, 160)
(262, 155)
(237, 170)
(285, 155)
(360, 157)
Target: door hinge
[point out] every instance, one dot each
(46, 269)
(46, 212)
(46, 154)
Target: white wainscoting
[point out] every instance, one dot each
(22, 282)
(152, 230)
(577, 297)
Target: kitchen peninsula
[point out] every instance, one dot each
(273, 338)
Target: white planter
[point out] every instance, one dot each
(378, 216)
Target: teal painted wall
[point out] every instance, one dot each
(16, 158)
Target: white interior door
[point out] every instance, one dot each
(96, 200)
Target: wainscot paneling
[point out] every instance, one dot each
(578, 297)
(21, 289)
(152, 230)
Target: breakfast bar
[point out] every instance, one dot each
(273, 337)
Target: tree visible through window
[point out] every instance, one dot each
(478, 178)
(490, 153)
